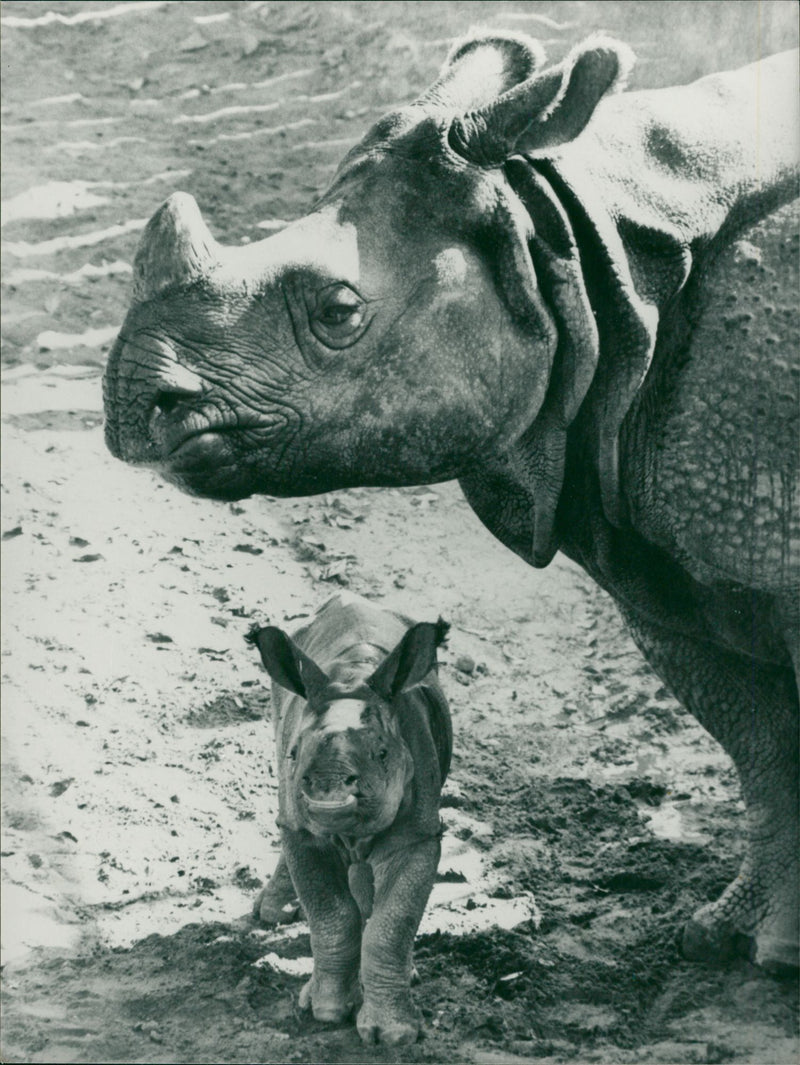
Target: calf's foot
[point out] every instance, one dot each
(277, 902)
(331, 996)
(393, 1023)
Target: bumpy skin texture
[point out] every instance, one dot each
(361, 761)
(583, 306)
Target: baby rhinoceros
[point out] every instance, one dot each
(363, 741)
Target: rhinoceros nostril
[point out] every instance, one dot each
(166, 402)
(351, 781)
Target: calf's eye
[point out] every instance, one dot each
(383, 754)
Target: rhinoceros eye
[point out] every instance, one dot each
(338, 316)
(383, 754)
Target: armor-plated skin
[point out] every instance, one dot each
(363, 743)
(580, 303)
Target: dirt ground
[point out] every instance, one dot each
(586, 815)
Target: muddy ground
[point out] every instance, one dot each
(586, 815)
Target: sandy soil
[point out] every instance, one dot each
(586, 815)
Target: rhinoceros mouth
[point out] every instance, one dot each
(331, 806)
(202, 446)
(204, 461)
(198, 438)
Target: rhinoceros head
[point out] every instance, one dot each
(345, 766)
(396, 334)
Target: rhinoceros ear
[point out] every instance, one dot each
(176, 248)
(287, 664)
(411, 661)
(549, 109)
(482, 66)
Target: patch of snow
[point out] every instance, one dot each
(78, 147)
(75, 277)
(24, 249)
(22, 127)
(50, 392)
(272, 224)
(290, 966)
(67, 98)
(542, 20)
(264, 131)
(206, 20)
(19, 22)
(226, 112)
(56, 199)
(90, 338)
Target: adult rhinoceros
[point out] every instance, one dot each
(580, 304)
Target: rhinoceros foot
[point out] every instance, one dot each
(712, 937)
(709, 940)
(270, 911)
(331, 997)
(277, 901)
(394, 1023)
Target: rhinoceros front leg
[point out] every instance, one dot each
(276, 903)
(752, 710)
(320, 876)
(402, 884)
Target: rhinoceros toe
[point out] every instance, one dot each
(714, 941)
(395, 1025)
(781, 957)
(331, 998)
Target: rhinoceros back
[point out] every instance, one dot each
(345, 621)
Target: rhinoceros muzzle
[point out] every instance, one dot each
(330, 806)
(342, 814)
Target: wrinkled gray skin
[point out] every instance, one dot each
(363, 743)
(582, 304)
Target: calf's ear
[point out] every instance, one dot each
(286, 663)
(482, 66)
(411, 660)
(546, 110)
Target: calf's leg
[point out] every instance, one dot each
(402, 884)
(320, 876)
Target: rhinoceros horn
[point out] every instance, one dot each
(176, 248)
(481, 67)
(548, 109)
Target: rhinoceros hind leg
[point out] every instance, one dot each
(277, 901)
(752, 710)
